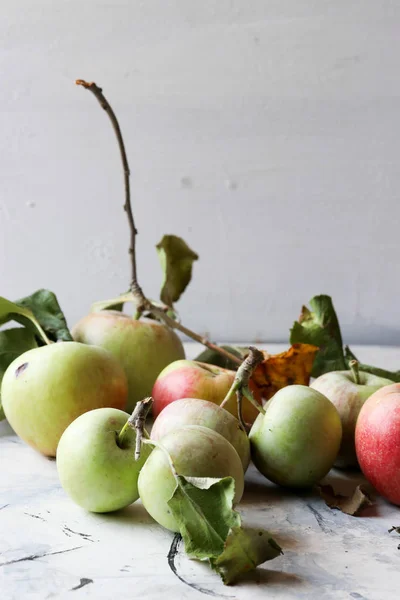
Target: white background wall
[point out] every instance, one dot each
(265, 132)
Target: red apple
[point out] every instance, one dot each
(191, 379)
(378, 441)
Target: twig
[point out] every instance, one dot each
(142, 303)
(137, 422)
(240, 385)
(98, 93)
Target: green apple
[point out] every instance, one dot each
(96, 470)
(296, 441)
(348, 396)
(142, 347)
(46, 388)
(196, 452)
(193, 411)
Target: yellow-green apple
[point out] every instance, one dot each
(192, 379)
(97, 469)
(195, 452)
(296, 441)
(143, 347)
(193, 411)
(348, 396)
(378, 441)
(46, 388)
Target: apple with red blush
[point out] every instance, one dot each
(192, 379)
(377, 439)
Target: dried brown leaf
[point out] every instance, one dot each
(287, 368)
(350, 505)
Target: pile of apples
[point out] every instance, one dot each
(68, 400)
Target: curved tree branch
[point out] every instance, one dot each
(141, 301)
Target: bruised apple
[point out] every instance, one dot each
(47, 388)
(196, 452)
(192, 379)
(142, 347)
(193, 411)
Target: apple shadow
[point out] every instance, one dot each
(270, 577)
(134, 513)
(258, 493)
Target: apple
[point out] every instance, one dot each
(196, 452)
(192, 379)
(296, 441)
(348, 391)
(143, 347)
(193, 411)
(377, 439)
(96, 470)
(46, 388)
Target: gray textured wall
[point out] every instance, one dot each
(266, 133)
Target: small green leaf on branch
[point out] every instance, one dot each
(113, 304)
(176, 260)
(320, 327)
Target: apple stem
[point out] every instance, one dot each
(355, 369)
(240, 385)
(143, 303)
(137, 422)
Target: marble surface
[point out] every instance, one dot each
(50, 548)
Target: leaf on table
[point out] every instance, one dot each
(11, 311)
(392, 375)
(13, 343)
(350, 505)
(287, 368)
(211, 529)
(212, 357)
(176, 260)
(46, 309)
(244, 550)
(320, 327)
(394, 528)
(203, 509)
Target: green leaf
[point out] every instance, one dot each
(203, 510)
(13, 343)
(212, 357)
(244, 550)
(10, 311)
(320, 327)
(113, 304)
(393, 375)
(176, 260)
(211, 529)
(45, 307)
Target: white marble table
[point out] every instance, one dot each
(50, 548)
